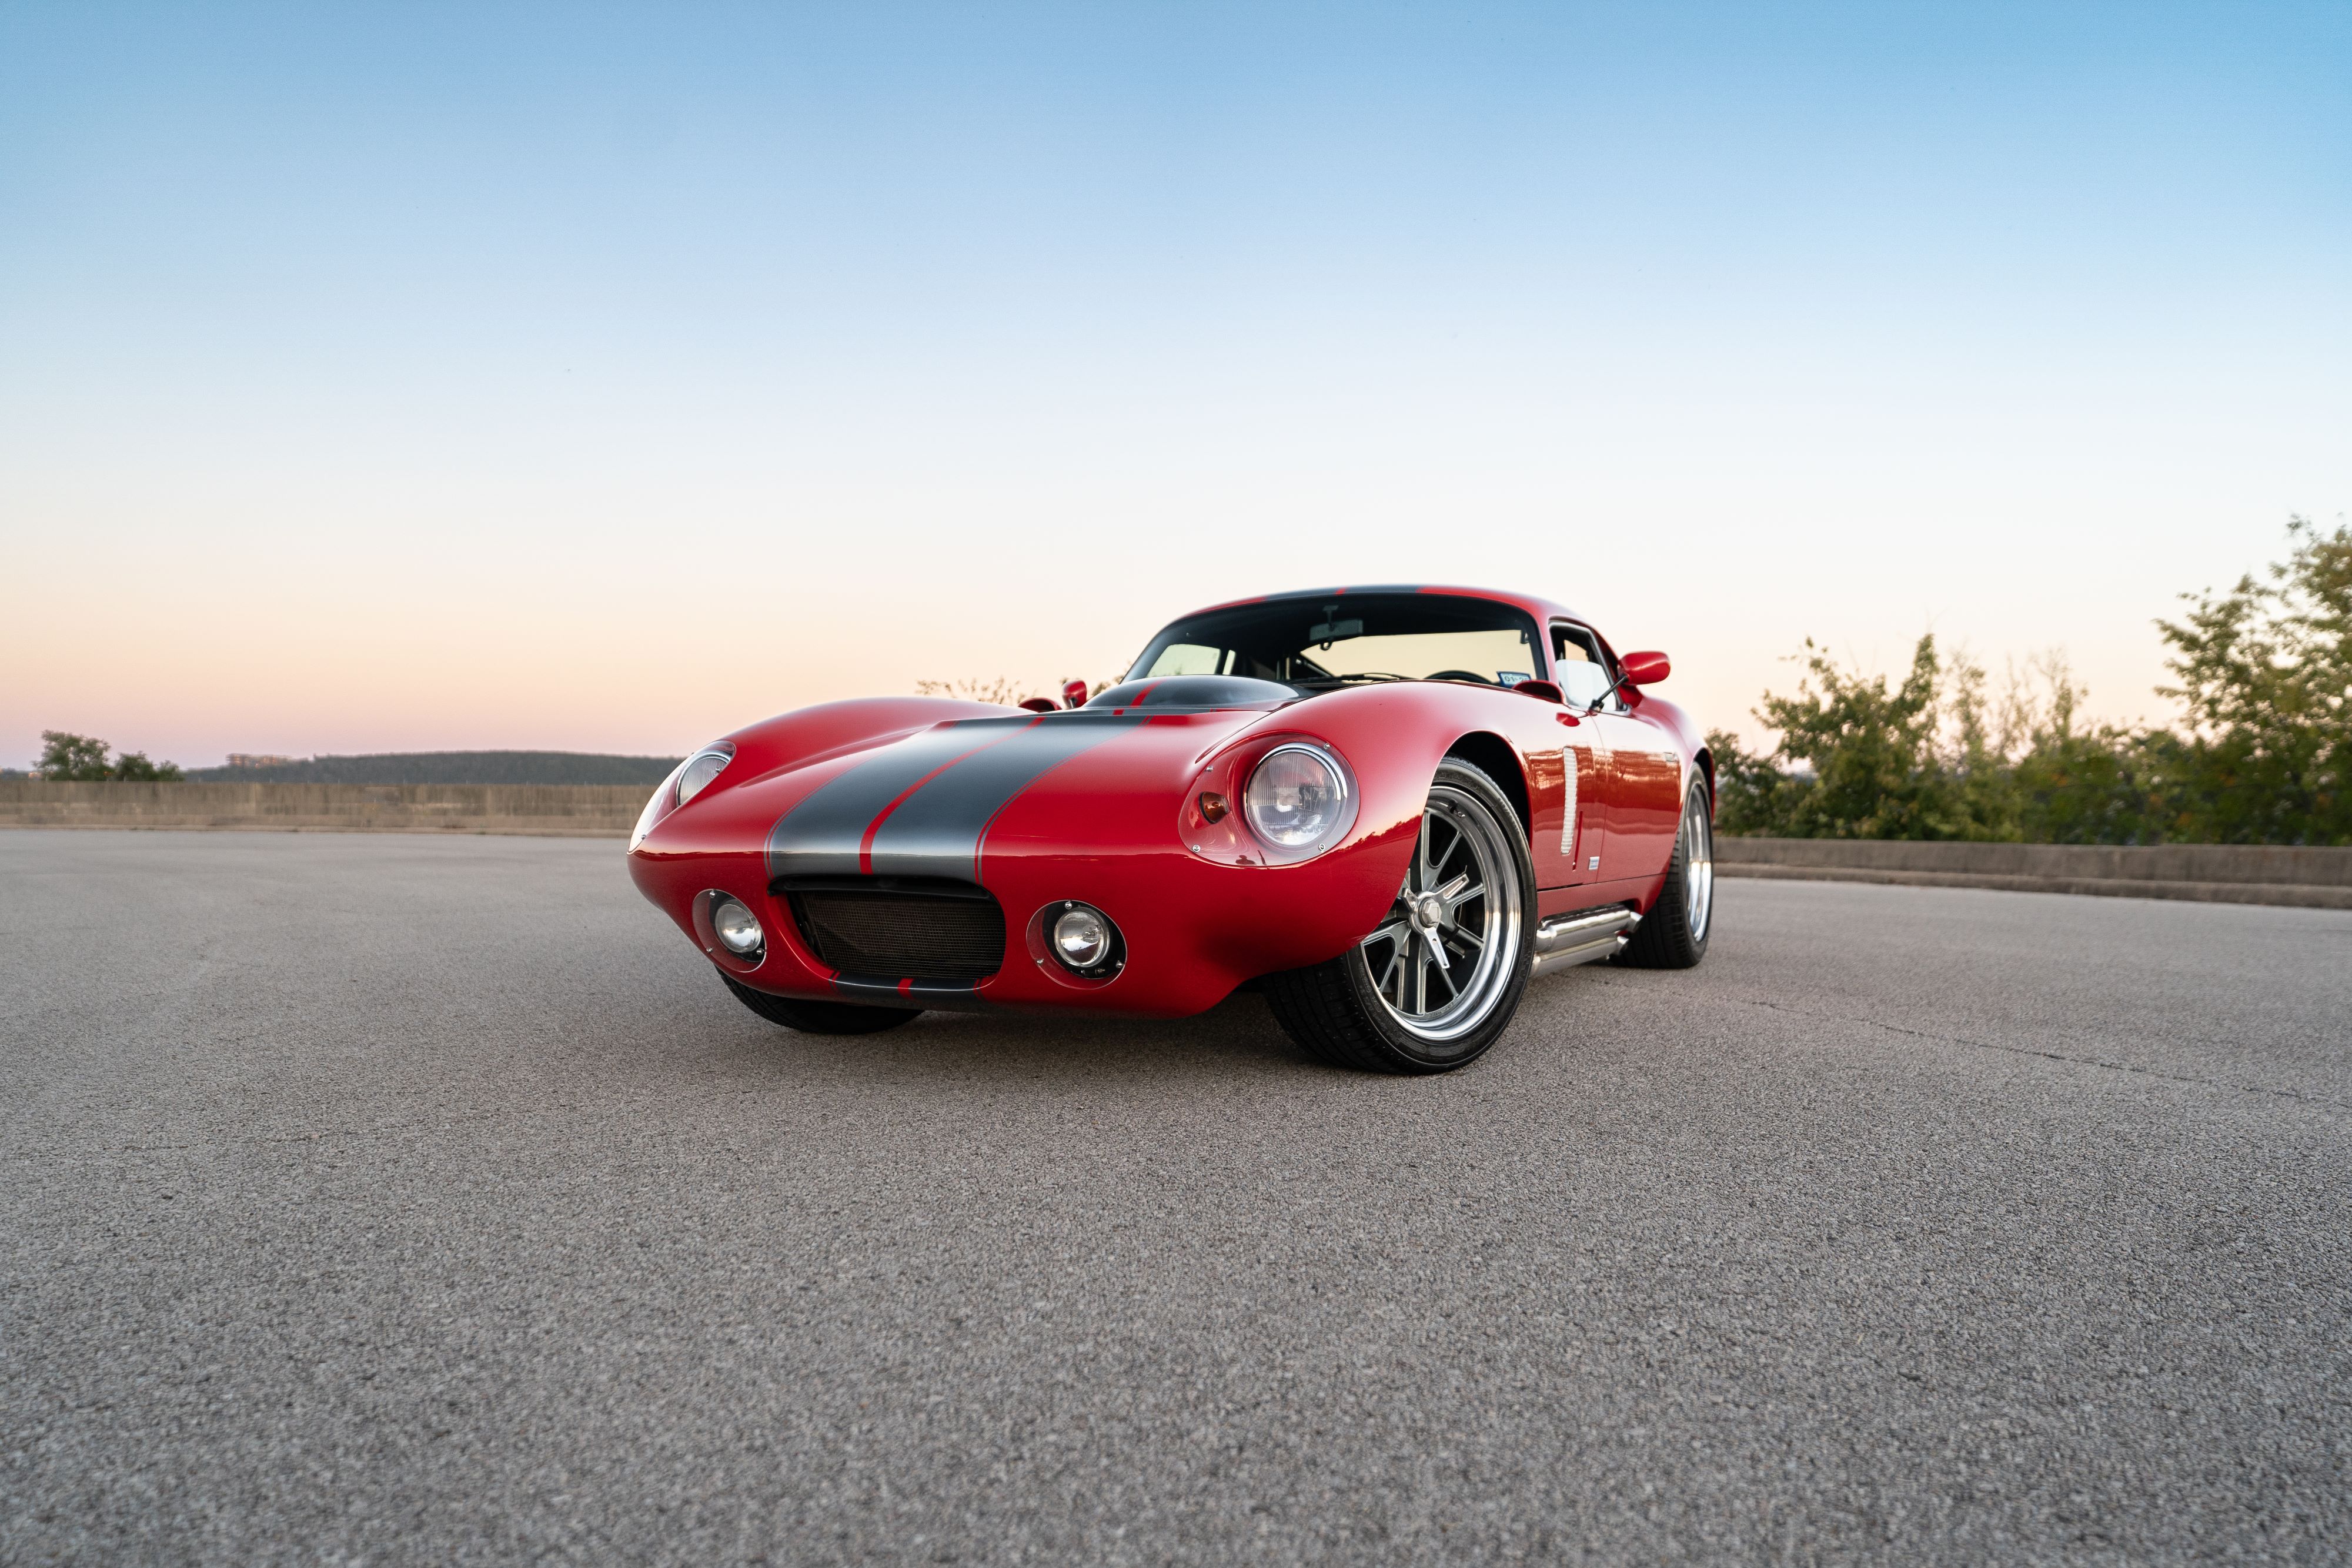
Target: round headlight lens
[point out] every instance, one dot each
(1081, 937)
(736, 927)
(1296, 799)
(700, 769)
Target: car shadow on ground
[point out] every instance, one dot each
(1239, 1032)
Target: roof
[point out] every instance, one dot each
(1543, 610)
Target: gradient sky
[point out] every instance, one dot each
(605, 377)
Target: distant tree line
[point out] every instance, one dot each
(84, 758)
(453, 768)
(2263, 755)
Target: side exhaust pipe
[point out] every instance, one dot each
(1567, 940)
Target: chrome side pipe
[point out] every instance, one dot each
(1585, 937)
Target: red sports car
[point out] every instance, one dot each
(1388, 806)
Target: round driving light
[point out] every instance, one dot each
(1081, 937)
(736, 927)
(1296, 799)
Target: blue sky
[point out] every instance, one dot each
(475, 375)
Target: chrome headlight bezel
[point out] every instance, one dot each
(1342, 817)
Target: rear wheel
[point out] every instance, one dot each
(1673, 935)
(819, 1018)
(1438, 979)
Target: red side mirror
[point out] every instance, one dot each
(1542, 690)
(1646, 669)
(1038, 705)
(1074, 693)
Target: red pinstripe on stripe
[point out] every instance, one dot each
(865, 842)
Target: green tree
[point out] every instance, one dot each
(1858, 758)
(2073, 784)
(2265, 674)
(134, 765)
(82, 758)
(73, 758)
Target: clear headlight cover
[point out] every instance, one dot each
(687, 780)
(1297, 798)
(658, 806)
(701, 769)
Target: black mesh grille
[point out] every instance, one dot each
(890, 931)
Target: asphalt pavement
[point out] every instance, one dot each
(402, 1199)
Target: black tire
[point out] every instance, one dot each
(1336, 1010)
(820, 1017)
(1674, 934)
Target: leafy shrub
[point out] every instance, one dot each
(2265, 672)
(82, 757)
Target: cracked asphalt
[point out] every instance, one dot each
(402, 1200)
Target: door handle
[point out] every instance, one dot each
(1569, 719)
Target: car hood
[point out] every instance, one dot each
(922, 805)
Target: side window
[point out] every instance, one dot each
(1579, 666)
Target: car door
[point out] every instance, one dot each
(1646, 778)
(1585, 755)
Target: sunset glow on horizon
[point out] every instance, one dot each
(454, 379)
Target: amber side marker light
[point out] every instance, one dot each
(1213, 806)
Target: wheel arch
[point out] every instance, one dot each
(1500, 760)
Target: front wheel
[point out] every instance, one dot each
(1674, 934)
(1438, 979)
(819, 1018)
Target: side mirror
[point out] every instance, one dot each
(1646, 669)
(1542, 690)
(1074, 693)
(1038, 705)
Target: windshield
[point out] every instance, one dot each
(1317, 640)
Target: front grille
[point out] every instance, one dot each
(900, 928)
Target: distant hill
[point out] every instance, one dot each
(453, 768)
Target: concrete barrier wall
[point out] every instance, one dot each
(2233, 873)
(582, 811)
(2244, 874)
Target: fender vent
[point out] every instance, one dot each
(899, 928)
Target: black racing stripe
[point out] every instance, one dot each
(819, 837)
(937, 831)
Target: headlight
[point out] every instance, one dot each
(701, 769)
(737, 928)
(1297, 798)
(686, 781)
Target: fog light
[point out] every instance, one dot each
(1084, 941)
(736, 927)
